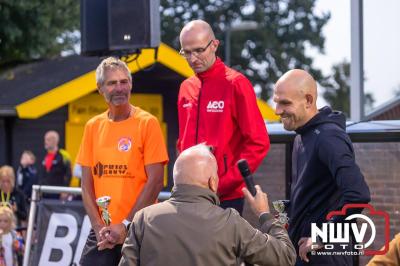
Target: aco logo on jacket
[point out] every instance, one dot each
(215, 106)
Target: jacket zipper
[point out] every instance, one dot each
(225, 163)
(198, 115)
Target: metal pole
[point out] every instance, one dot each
(164, 195)
(31, 221)
(357, 62)
(242, 26)
(228, 46)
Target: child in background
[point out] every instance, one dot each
(11, 244)
(27, 174)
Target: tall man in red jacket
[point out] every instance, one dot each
(218, 107)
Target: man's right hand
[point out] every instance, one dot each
(97, 228)
(112, 235)
(258, 203)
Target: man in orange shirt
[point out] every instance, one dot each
(122, 155)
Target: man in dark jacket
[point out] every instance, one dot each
(218, 106)
(191, 229)
(325, 175)
(56, 165)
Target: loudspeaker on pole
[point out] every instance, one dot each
(118, 26)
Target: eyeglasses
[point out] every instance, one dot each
(196, 52)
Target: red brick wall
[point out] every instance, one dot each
(392, 114)
(271, 177)
(380, 164)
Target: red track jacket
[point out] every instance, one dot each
(218, 107)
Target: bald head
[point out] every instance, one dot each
(295, 95)
(200, 28)
(196, 166)
(51, 139)
(198, 45)
(299, 81)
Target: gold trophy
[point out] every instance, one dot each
(280, 206)
(103, 203)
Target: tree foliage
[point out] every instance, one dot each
(337, 89)
(285, 29)
(37, 29)
(32, 29)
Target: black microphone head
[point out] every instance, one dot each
(243, 167)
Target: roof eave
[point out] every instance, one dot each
(8, 112)
(86, 83)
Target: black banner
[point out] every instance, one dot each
(61, 232)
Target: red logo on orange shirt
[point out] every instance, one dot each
(124, 144)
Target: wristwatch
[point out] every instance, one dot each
(127, 224)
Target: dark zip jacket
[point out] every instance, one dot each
(60, 171)
(325, 175)
(26, 178)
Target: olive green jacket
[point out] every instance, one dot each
(191, 229)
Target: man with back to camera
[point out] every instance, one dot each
(325, 175)
(191, 229)
(122, 155)
(218, 107)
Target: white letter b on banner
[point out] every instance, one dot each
(52, 241)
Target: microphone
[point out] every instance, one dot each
(246, 174)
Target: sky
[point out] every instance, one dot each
(381, 44)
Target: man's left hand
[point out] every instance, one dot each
(305, 246)
(258, 203)
(112, 235)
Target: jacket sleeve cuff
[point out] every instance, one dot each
(265, 217)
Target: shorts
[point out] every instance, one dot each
(92, 256)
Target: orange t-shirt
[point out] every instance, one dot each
(117, 153)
